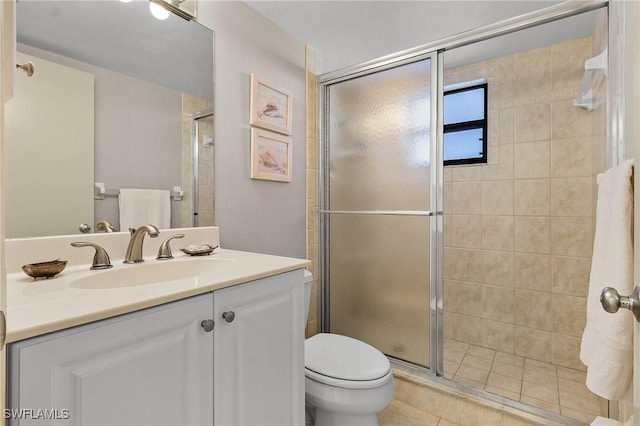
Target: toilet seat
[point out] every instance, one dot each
(345, 362)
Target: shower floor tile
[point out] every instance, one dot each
(558, 389)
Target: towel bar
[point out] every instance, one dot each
(100, 191)
(612, 301)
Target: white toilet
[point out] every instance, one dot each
(347, 382)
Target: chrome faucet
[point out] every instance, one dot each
(105, 226)
(134, 251)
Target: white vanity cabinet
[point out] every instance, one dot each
(151, 367)
(259, 352)
(160, 366)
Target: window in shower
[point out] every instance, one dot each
(465, 124)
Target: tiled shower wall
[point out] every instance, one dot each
(313, 242)
(518, 231)
(206, 194)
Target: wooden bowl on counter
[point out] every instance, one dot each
(44, 269)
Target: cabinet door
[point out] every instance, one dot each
(259, 356)
(153, 367)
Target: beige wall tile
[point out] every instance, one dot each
(569, 314)
(572, 236)
(533, 344)
(447, 194)
(567, 67)
(532, 234)
(498, 335)
(571, 196)
(463, 297)
(533, 271)
(503, 75)
(447, 230)
(531, 160)
(533, 309)
(466, 329)
(533, 75)
(462, 264)
(532, 122)
(570, 275)
(567, 121)
(466, 198)
(565, 351)
(571, 157)
(532, 197)
(498, 268)
(507, 126)
(503, 167)
(498, 232)
(466, 231)
(498, 303)
(497, 197)
(465, 173)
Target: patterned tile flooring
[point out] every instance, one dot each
(543, 385)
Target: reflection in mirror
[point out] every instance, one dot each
(112, 99)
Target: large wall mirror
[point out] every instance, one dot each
(117, 97)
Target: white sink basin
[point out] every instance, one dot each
(152, 272)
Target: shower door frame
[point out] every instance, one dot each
(435, 198)
(435, 52)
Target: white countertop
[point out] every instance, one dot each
(43, 306)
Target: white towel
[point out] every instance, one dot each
(144, 206)
(607, 342)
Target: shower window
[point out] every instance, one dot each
(465, 124)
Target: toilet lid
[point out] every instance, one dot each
(344, 358)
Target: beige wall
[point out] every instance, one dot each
(518, 231)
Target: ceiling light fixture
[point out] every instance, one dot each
(158, 11)
(186, 9)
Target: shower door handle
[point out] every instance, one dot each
(612, 301)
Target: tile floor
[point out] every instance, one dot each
(553, 388)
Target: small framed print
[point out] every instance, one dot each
(270, 107)
(270, 156)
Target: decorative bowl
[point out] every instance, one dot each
(202, 250)
(44, 269)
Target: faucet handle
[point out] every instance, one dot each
(105, 226)
(165, 249)
(100, 258)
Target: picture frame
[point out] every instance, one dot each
(270, 106)
(271, 156)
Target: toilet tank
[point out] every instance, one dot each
(308, 279)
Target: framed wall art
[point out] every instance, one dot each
(270, 107)
(270, 156)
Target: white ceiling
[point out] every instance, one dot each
(350, 32)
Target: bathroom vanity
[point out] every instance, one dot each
(219, 341)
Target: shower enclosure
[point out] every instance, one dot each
(201, 208)
(380, 209)
(475, 272)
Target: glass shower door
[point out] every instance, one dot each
(377, 205)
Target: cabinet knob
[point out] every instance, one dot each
(229, 316)
(208, 325)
